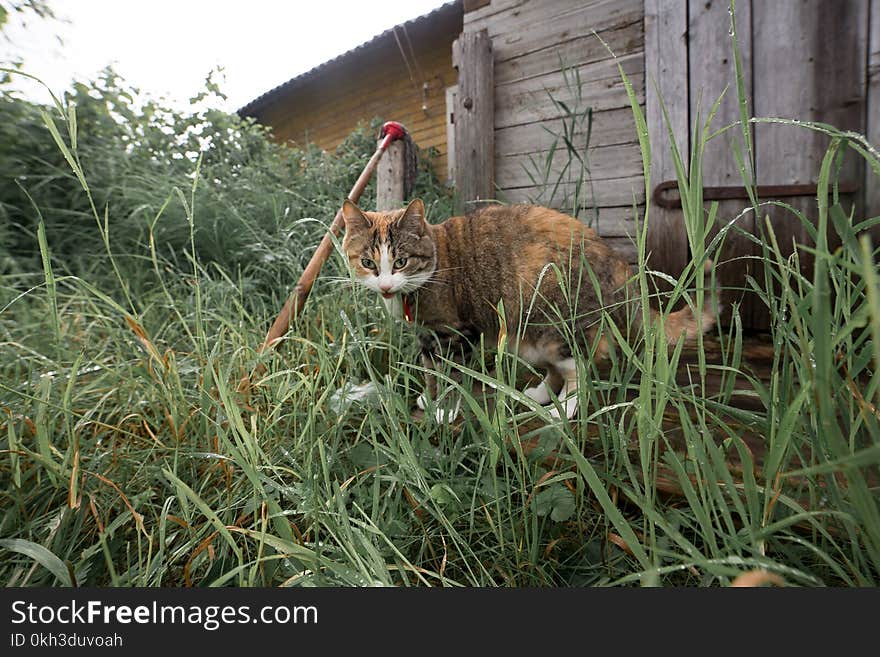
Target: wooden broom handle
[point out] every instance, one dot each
(391, 131)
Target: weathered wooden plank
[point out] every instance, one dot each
(614, 221)
(616, 192)
(451, 96)
(809, 64)
(473, 5)
(711, 70)
(389, 177)
(603, 163)
(551, 27)
(666, 82)
(591, 72)
(601, 88)
(625, 247)
(610, 127)
(578, 51)
(429, 133)
(474, 118)
(438, 143)
(477, 19)
(530, 107)
(583, 15)
(872, 183)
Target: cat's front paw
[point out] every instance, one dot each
(442, 414)
(447, 415)
(569, 407)
(539, 393)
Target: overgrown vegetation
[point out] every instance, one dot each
(146, 251)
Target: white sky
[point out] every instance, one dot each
(168, 47)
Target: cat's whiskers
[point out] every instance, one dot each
(433, 280)
(437, 281)
(415, 282)
(341, 280)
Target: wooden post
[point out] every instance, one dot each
(389, 178)
(824, 81)
(474, 119)
(666, 63)
(711, 71)
(451, 96)
(872, 129)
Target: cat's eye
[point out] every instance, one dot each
(400, 263)
(369, 264)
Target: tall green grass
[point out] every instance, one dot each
(131, 458)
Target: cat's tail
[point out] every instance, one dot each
(686, 322)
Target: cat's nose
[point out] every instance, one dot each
(385, 288)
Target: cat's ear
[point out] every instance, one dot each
(355, 219)
(413, 218)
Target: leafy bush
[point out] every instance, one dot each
(151, 168)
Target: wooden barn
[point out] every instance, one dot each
(495, 84)
(400, 75)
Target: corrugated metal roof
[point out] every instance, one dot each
(255, 105)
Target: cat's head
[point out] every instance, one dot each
(389, 252)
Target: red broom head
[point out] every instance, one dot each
(392, 129)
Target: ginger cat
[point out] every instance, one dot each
(552, 273)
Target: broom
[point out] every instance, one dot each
(391, 131)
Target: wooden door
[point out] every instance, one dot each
(801, 59)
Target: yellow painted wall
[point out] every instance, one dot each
(374, 81)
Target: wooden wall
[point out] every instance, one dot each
(529, 39)
(872, 112)
(374, 81)
(801, 59)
